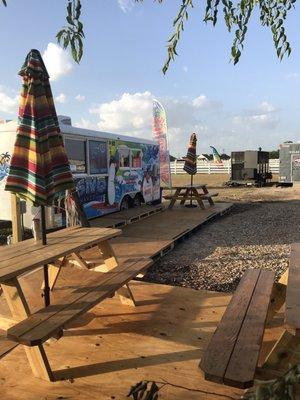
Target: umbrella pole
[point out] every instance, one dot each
(46, 276)
(191, 201)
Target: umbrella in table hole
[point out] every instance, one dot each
(190, 165)
(39, 169)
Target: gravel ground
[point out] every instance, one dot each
(253, 235)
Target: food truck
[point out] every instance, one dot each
(112, 172)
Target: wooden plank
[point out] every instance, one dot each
(278, 295)
(218, 353)
(30, 245)
(197, 186)
(58, 247)
(129, 247)
(286, 349)
(16, 218)
(105, 222)
(45, 323)
(126, 296)
(18, 306)
(243, 361)
(38, 317)
(208, 195)
(7, 322)
(135, 212)
(6, 345)
(292, 312)
(108, 256)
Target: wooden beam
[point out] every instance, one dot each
(286, 348)
(7, 322)
(109, 257)
(126, 296)
(16, 219)
(110, 262)
(19, 308)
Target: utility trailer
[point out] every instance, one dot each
(289, 163)
(249, 168)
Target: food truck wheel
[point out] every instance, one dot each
(138, 199)
(126, 203)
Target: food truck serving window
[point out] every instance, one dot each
(124, 157)
(76, 151)
(136, 158)
(98, 157)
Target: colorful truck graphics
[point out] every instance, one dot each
(133, 170)
(110, 171)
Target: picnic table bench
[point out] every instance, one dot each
(184, 193)
(32, 330)
(233, 352)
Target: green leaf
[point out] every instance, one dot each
(278, 52)
(78, 9)
(69, 9)
(70, 20)
(59, 35)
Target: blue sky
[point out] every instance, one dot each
(255, 103)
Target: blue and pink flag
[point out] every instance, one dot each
(216, 155)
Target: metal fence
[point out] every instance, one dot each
(206, 167)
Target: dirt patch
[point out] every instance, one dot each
(254, 235)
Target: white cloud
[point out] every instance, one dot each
(264, 116)
(86, 124)
(131, 114)
(80, 97)
(266, 107)
(8, 104)
(292, 75)
(202, 102)
(185, 68)
(61, 98)
(57, 61)
(126, 5)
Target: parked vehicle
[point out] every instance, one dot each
(249, 168)
(289, 163)
(112, 172)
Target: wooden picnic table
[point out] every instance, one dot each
(233, 352)
(185, 193)
(24, 257)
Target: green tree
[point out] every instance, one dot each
(272, 13)
(274, 154)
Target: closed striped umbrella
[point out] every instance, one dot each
(190, 165)
(39, 168)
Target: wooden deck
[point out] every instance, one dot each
(122, 218)
(114, 346)
(157, 235)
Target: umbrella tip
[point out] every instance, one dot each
(34, 65)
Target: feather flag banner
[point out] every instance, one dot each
(216, 155)
(160, 136)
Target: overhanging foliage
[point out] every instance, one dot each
(236, 14)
